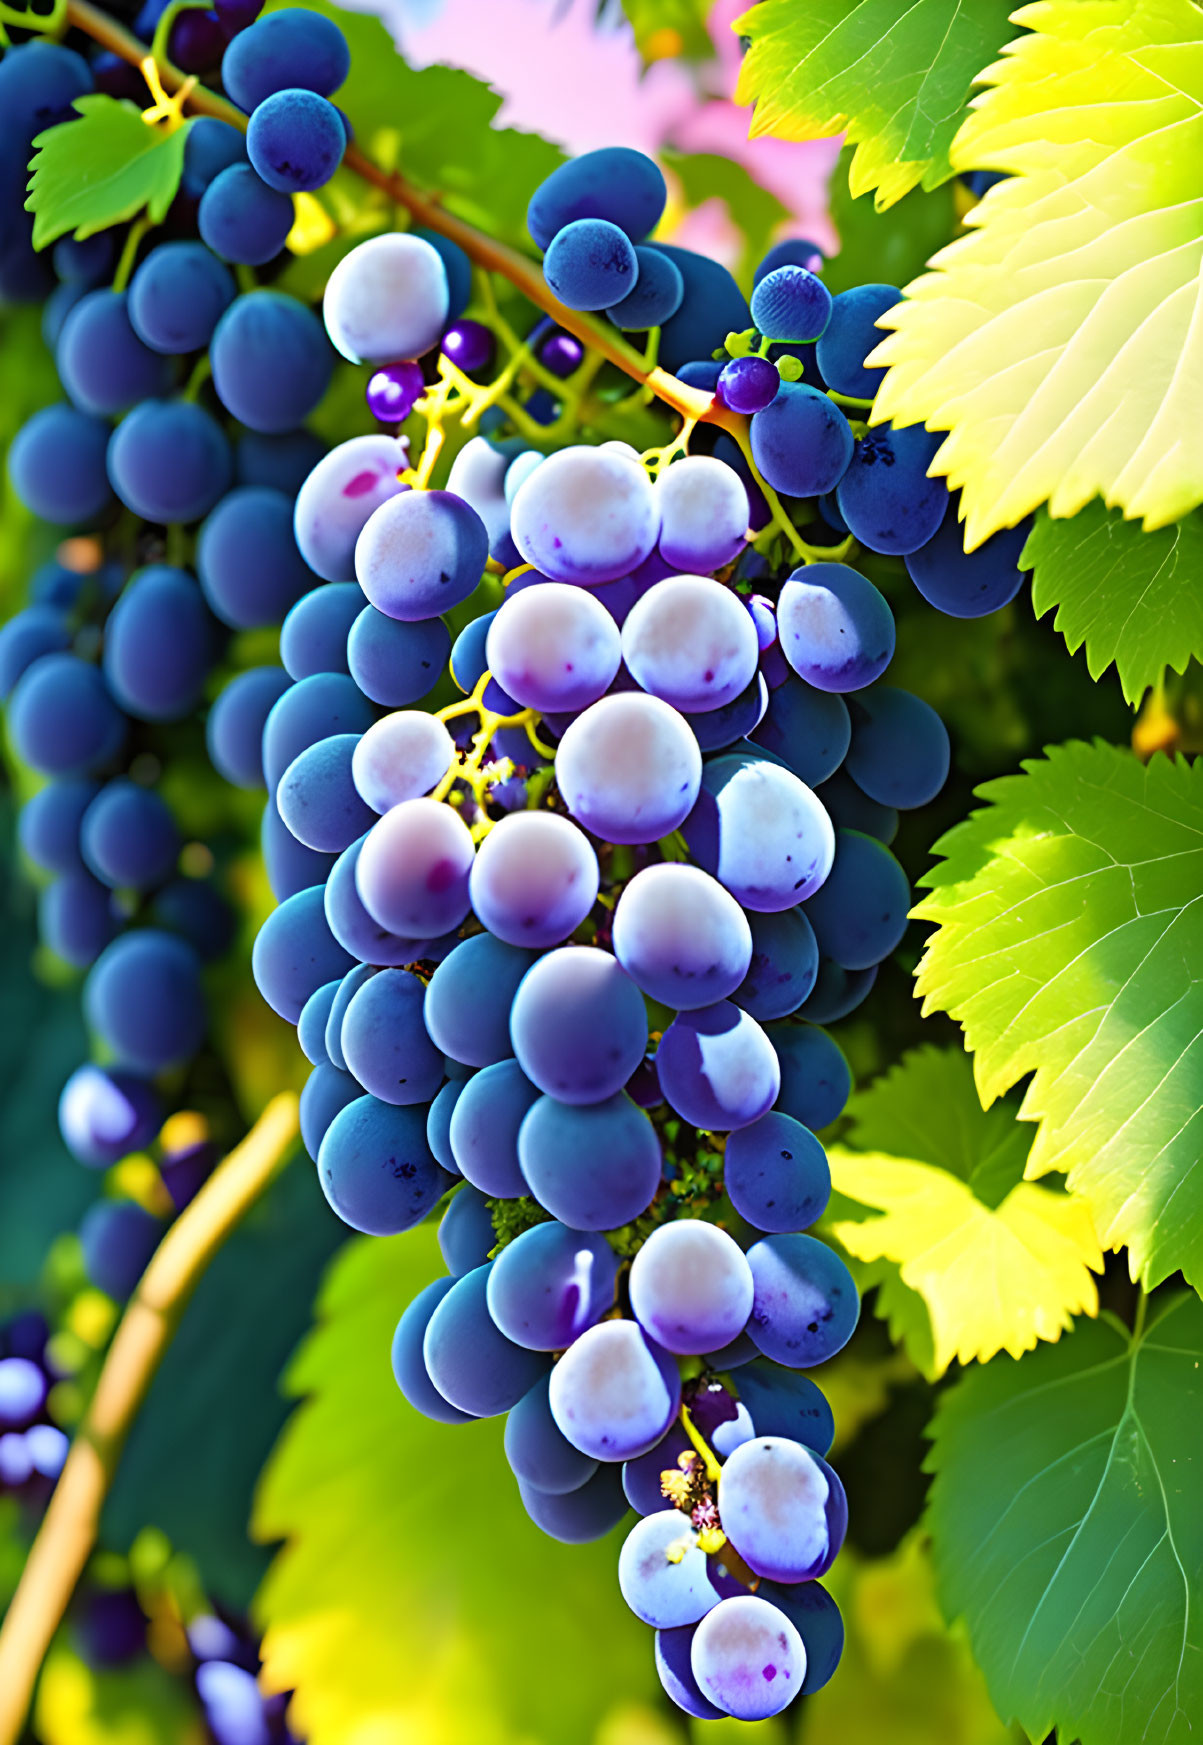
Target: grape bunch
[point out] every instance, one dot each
(32, 1445)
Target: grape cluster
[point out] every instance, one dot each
(32, 1446)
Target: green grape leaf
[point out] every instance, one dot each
(894, 79)
(103, 169)
(215, 1407)
(670, 29)
(929, 1196)
(884, 248)
(1130, 597)
(1059, 340)
(1068, 935)
(1067, 1530)
(754, 212)
(412, 1598)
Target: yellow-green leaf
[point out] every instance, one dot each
(413, 1600)
(670, 29)
(139, 1704)
(896, 79)
(1068, 943)
(103, 169)
(1060, 342)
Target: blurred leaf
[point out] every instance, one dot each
(216, 1406)
(1059, 341)
(894, 79)
(13, 1547)
(140, 1704)
(1067, 943)
(30, 381)
(884, 248)
(1131, 597)
(670, 29)
(102, 170)
(1066, 1520)
(997, 1262)
(412, 1598)
(904, 1678)
(753, 211)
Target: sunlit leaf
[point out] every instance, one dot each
(103, 169)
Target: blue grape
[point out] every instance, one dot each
(575, 1517)
(111, 1627)
(614, 1392)
(850, 335)
(413, 870)
(311, 1025)
(295, 952)
(466, 1233)
(62, 719)
(578, 1024)
(178, 295)
(470, 1361)
(281, 462)
(271, 363)
(159, 644)
(128, 837)
(850, 808)
(549, 1284)
(808, 729)
(717, 1068)
(438, 1123)
(783, 965)
(681, 937)
(234, 725)
(196, 910)
(325, 1093)
(790, 303)
(232, 1702)
(534, 880)
(345, 992)
(420, 554)
(357, 930)
(657, 295)
(748, 384)
(900, 751)
(587, 515)
(388, 299)
(554, 647)
(539, 1453)
(22, 1390)
(313, 636)
(860, 915)
(675, 1669)
(629, 769)
(33, 632)
(49, 821)
(39, 82)
(169, 461)
(456, 265)
(105, 1115)
(395, 663)
(663, 1574)
(761, 832)
(468, 1000)
(691, 642)
(691, 1291)
(103, 364)
(713, 307)
(401, 757)
(313, 709)
(384, 1040)
(801, 442)
(241, 219)
(56, 463)
(468, 659)
(806, 1305)
(837, 992)
(792, 251)
(59, 304)
(594, 1167)
(484, 1128)
(318, 800)
(836, 630)
(338, 498)
(591, 264)
(295, 141)
(815, 1078)
(703, 374)
(409, 1366)
(716, 729)
(77, 918)
(211, 146)
(968, 584)
(292, 47)
(816, 1618)
(783, 1509)
(118, 1239)
(886, 498)
(784, 1403)
(776, 1175)
(143, 998)
(642, 1478)
(704, 512)
(747, 1658)
(623, 186)
(69, 590)
(376, 1168)
(478, 476)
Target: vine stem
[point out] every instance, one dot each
(69, 1527)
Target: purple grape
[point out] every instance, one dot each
(469, 345)
(748, 384)
(783, 1509)
(562, 353)
(393, 391)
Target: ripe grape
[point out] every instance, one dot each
(614, 1393)
(384, 1040)
(663, 1575)
(242, 219)
(250, 570)
(850, 335)
(968, 584)
(748, 1658)
(271, 363)
(62, 719)
(468, 999)
(401, 758)
(806, 1306)
(296, 140)
(784, 1403)
(624, 187)
(57, 464)
(103, 365)
(790, 303)
(836, 630)
(629, 769)
(586, 515)
(554, 647)
(395, 663)
(801, 442)
(860, 915)
(169, 461)
(681, 937)
(420, 553)
(886, 498)
(776, 1175)
(291, 47)
(413, 869)
(900, 750)
(387, 300)
(307, 712)
(295, 952)
(178, 295)
(594, 1167)
(470, 1361)
(484, 1126)
(578, 1024)
(691, 1290)
(575, 1517)
(549, 1284)
(376, 1168)
(815, 1078)
(658, 293)
(591, 264)
(761, 832)
(143, 998)
(409, 1365)
(783, 965)
(318, 799)
(539, 1453)
(534, 879)
(159, 643)
(717, 1068)
(339, 496)
(234, 726)
(128, 837)
(782, 1508)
